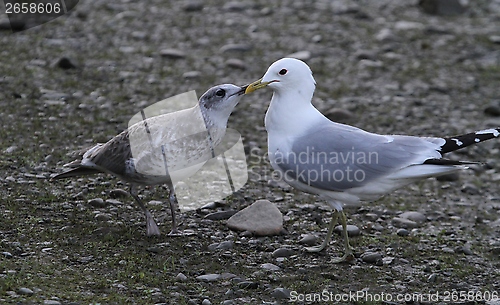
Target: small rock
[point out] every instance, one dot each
(7, 254)
(493, 109)
(193, 6)
(415, 216)
(66, 63)
(281, 293)
(442, 7)
(235, 6)
(371, 257)
(181, 277)
(225, 245)
(51, 302)
(464, 249)
(234, 47)
(211, 277)
(172, 53)
(470, 189)
(97, 203)
(432, 278)
(206, 302)
(385, 35)
(10, 149)
(220, 215)
(248, 285)
(25, 291)
(449, 177)
(408, 25)
(302, 55)
(118, 193)
(102, 217)
(402, 232)
(191, 74)
(270, 267)
(404, 223)
(283, 252)
(308, 240)
(339, 115)
(495, 39)
(236, 63)
(261, 218)
(352, 230)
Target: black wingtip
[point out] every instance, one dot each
(458, 142)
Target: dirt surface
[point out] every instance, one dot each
(384, 66)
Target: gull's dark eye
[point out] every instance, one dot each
(220, 92)
(282, 72)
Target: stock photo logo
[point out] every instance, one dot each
(26, 14)
(205, 164)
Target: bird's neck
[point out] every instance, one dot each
(291, 112)
(215, 122)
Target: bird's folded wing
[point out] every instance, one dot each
(334, 158)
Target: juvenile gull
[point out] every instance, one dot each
(343, 164)
(163, 149)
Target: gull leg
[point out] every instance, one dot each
(348, 250)
(328, 235)
(151, 227)
(172, 199)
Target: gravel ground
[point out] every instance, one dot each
(385, 66)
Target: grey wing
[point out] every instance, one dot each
(333, 158)
(113, 155)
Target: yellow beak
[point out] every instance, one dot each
(256, 85)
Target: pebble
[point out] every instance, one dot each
(339, 115)
(25, 291)
(281, 293)
(181, 277)
(235, 6)
(235, 47)
(402, 232)
(432, 278)
(220, 215)
(372, 257)
(172, 53)
(493, 109)
(10, 149)
(191, 74)
(7, 254)
(262, 218)
(102, 217)
(283, 252)
(118, 193)
(211, 277)
(352, 230)
(449, 177)
(464, 249)
(248, 285)
(206, 302)
(66, 63)
(193, 6)
(308, 240)
(97, 203)
(494, 39)
(404, 223)
(415, 216)
(302, 55)
(51, 302)
(236, 63)
(470, 189)
(442, 7)
(270, 267)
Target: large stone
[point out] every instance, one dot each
(261, 218)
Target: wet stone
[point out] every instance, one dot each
(352, 230)
(208, 277)
(402, 232)
(404, 223)
(281, 293)
(25, 291)
(308, 240)
(371, 257)
(97, 203)
(283, 252)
